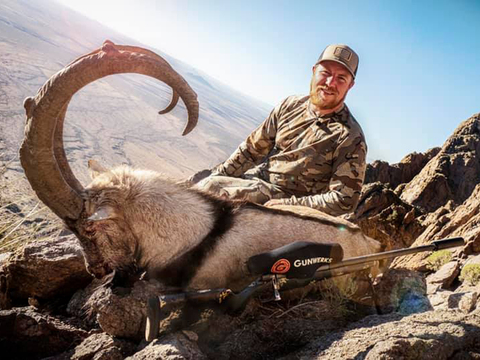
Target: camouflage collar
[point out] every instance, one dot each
(341, 115)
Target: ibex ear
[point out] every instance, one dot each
(102, 213)
(95, 168)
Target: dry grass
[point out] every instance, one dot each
(23, 218)
(437, 259)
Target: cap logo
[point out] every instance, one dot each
(343, 53)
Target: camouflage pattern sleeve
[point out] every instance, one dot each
(254, 149)
(349, 164)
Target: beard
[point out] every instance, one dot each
(324, 104)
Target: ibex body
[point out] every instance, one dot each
(187, 238)
(136, 218)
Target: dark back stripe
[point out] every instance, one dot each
(180, 271)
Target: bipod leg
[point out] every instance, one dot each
(158, 309)
(153, 319)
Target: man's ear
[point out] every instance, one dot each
(351, 84)
(95, 169)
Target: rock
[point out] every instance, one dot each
(119, 312)
(466, 355)
(179, 345)
(401, 291)
(400, 173)
(4, 257)
(468, 302)
(102, 347)
(413, 303)
(463, 222)
(443, 300)
(445, 275)
(452, 174)
(430, 335)
(382, 215)
(416, 348)
(473, 260)
(5, 302)
(440, 299)
(78, 307)
(432, 288)
(45, 269)
(27, 334)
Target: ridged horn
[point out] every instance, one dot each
(42, 153)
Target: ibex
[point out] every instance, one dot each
(129, 218)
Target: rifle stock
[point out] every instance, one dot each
(232, 302)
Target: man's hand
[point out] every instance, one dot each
(197, 177)
(273, 202)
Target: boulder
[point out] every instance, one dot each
(102, 347)
(44, 270)
(28, 334)
(120, 311)
(401, 291)
(445, 275)
(468, 301)
(179, 345)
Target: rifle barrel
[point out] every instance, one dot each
(434, 246)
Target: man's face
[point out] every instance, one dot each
(330, 84)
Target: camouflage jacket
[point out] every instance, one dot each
(318, 162)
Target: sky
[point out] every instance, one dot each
(419, 71)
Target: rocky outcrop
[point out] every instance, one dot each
(382, 215)
(400, 173)
(116, 316)
(441, 200)
(448, 221)
(429, 335)
(452, 174)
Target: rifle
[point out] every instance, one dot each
(288, 267)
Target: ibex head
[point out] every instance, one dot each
(42, 153)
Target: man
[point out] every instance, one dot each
(310, 150)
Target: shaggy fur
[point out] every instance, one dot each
(187, 238)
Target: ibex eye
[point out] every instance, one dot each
(101, 214)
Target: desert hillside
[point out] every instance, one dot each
(114, 120)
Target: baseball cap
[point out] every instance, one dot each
(341, 54)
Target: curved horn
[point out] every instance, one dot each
(175, 96)
(42, 154)
(172, 104)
